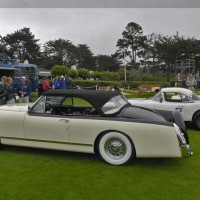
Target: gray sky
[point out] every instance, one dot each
(99, 28)
(100, 3)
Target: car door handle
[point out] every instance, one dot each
(179, 108)
(64, 120)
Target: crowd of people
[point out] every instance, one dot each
(190, 82)
(59, 82)
(62, 82)
(9, 93)
(22, 91)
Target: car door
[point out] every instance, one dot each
(44, 126)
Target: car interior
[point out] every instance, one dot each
(70, 110)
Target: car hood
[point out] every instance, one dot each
(15, 107)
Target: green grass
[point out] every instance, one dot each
(36, 174)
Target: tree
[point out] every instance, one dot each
(107, 76)
(23, 45)
(73, 73)
(150, 54)
(2, 45)
(132, 43)
(172, 48)
(85, 57)
(107, 63)
(58, 52)
(59, 70)
(83, 73)
(96, 75)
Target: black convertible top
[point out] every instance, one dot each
(97, 98)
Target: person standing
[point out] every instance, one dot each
(40, 88)
(178, 80)
(46, 84)
(23, 91)
(191, 82)
(6, 93)
(28, 82)
(69, 82)
(62, 83)
(56, 83)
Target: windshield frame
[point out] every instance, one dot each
(114, 105)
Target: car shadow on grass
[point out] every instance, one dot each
(28, 151)
(46, 154)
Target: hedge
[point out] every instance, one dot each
(119, 84)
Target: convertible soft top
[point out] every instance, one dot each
(96, 97)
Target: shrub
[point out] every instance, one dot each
(119, 84)
(83, 73)
(58, 70)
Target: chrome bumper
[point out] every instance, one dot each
(186, 151)
(185, 148)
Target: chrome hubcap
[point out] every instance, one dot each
(115, 148)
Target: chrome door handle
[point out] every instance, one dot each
(64, 120)
(179, 108)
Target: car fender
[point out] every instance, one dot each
(177, 118)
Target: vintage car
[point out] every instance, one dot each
(93, 122)
(174, 98)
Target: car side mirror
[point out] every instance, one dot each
(161, 100)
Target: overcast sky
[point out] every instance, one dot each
(99, 28)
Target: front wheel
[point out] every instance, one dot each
(116, 148)
(196, 120)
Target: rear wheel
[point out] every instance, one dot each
(116, 148)
(196, 120)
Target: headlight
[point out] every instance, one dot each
(179, 135)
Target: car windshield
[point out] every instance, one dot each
(158, 97)
(175, 96)
(39, 106)
(114, 105)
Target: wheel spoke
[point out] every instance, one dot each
(115, 148)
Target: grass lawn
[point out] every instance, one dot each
(36, 174)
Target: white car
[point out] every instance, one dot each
(174, 99)
(91, 121)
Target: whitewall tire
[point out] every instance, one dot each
(196, 120)
(116, 148)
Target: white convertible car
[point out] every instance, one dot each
(90, 121)
(175, 98)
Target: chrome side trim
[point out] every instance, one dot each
(49, 141)
(179, 134)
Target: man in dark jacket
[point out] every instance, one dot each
(23, 91)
